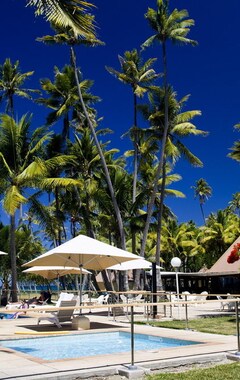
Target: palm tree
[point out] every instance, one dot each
(202, 191)
(105, 168)
(175, 27)
(180, 123)
(67, 14)
(72, 38)
(139, 75)
(159, 213)
(180, 240)
(28, 244)
(23, 167)
(94, 213)
(122, 184)
(11, 84)
(235, 154)
(87, 168)
(234, 204)
(63, 97)
(17, 151)
(221, 230)
(180, 127)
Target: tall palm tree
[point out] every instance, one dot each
(235, 154)
(180, 127)
(159, 213)
(11, 84)
(68, 37)
(23, 167)
(87, 167)
(105, 168)
(17, 151)
(122, 183)
(180, 123)
(139, 75)
(172, 27)
(202, 191)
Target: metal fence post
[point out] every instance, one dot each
(237, 326)
(154, 289)
(171, 314)
(132, 366)
(186, 312)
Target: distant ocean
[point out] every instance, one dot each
(32, 287)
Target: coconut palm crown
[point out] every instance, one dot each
(67, 13)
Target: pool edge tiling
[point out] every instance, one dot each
(15, 365)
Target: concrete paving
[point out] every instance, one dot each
(16, 365)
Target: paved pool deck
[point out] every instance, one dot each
(16, 365)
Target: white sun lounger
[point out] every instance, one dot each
(63, 315)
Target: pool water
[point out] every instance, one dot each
(75, 346)
(10, 316)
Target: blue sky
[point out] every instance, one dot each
(209, 72)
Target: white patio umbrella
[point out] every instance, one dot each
(133, 264)
(141, 263)
(50, 273)
(3, 253)
(83, 251)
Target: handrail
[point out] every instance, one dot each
(113, 305)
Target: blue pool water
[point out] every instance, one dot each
(10, 316)
(75, 346)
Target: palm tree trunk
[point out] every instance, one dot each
(201, 207)
(160, 215)
(159, 230)
(65, 130)
(108, 178)
(59, 235)
(107, 282)
(87, 218)
(135, 172)
(161, 161)
(12, 246)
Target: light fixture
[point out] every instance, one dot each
(176, 263)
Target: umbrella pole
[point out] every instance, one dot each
(58, 284)
(80, 293)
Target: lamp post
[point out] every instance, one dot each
(176, 263)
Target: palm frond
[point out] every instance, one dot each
(67, 13)
(65, 183)
(13, 199)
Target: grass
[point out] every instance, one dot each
(225, 325)
(219, 372)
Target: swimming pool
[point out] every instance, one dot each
(10, 316)
(75, 346)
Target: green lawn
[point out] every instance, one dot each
(216, 325)
(219, 372)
